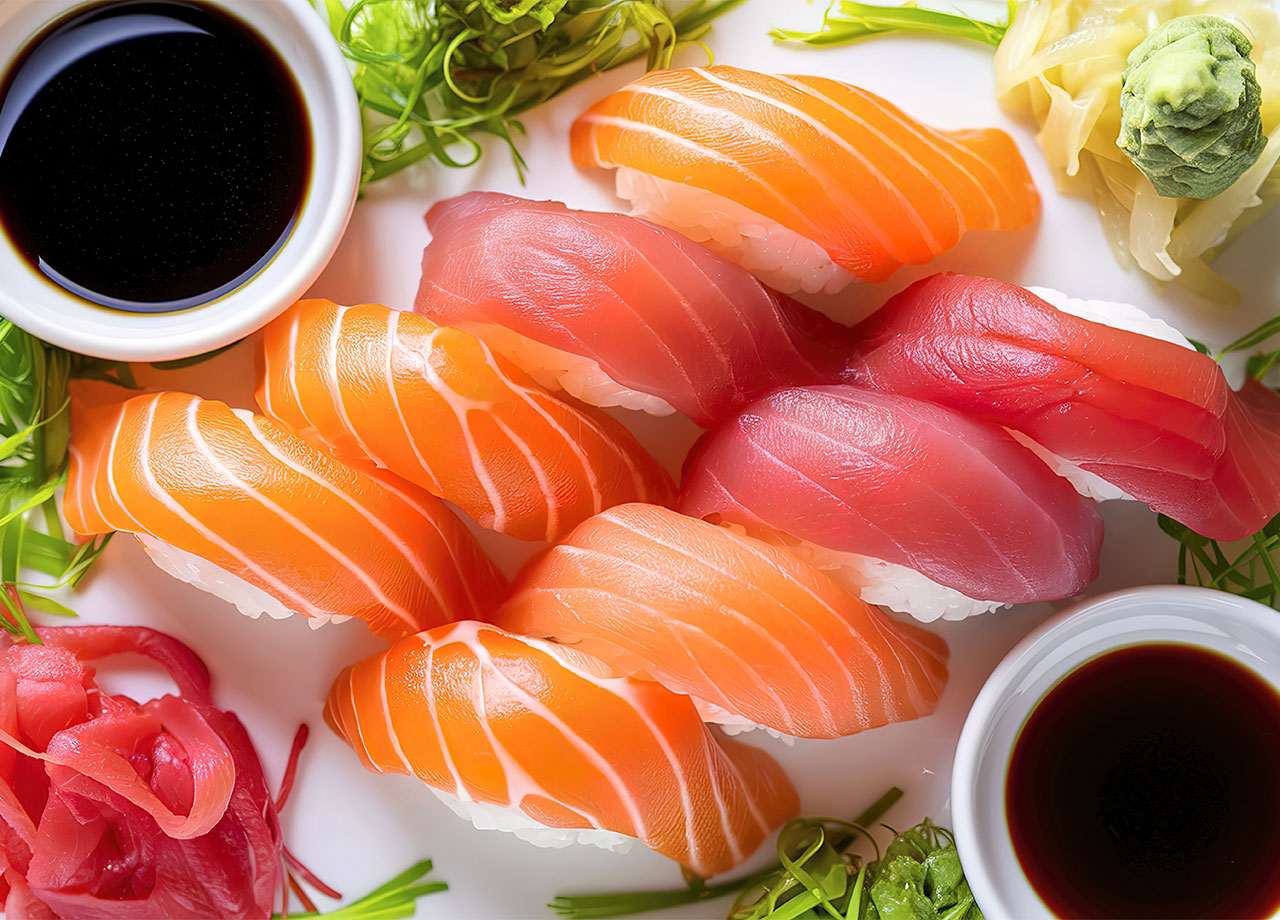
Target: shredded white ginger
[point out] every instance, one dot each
(1062, 60)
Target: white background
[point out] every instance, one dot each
(357, 829)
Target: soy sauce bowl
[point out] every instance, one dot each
(300, 38)
(1241, 630)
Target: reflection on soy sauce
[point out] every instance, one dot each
(153, 155)
(1147, 784)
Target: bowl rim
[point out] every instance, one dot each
(328, 202)
(985, 710)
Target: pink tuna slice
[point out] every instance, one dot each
(908, 482)
(659, 313)
(1151, 417)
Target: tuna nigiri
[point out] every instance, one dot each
(808, 182)
(1132, 411)
(239, 506)
(526, 736)
(617, 311)
(917, 507)
(749, 630)
(434, 405)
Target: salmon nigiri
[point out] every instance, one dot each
(526, 736)
(912, 505)
(752, 632)
(1115, 400)
(808, 182)
(239, 506)
(618, 311)
(434, 405)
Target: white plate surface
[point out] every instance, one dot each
(356, 829)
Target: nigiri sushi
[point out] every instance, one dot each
(912, 505)
(617, 311)
(1116, 401)
(753, 633)
(240, 507)
(540, 740)
(808, 182)
(436, 406)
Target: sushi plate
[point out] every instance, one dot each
(355, 829)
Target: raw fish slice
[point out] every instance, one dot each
(899, 483)
(504, 725)
(243, 508)
(1246, 483)
(617, 311)
(434, 405)
(808, 182)
(1149, 415)
(734, 622)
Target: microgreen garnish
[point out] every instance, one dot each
(1259, 364)
(1249, 570)
(919, 876)
(433, 73)
(35, 427)
(848, 22)
(1251, 567)
(816, 877)
(391, 901)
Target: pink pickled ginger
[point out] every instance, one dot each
(114, 809)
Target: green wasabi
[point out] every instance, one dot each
(1190, 107)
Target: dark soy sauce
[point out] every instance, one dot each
(1147, 784)
(153, 155)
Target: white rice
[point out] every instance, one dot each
(1118, 316)
(195, 570)
(582, 378)
(884, 584)
(1088, 484)
(488, 817)
(897, 587)
(733, 724)
(781, 258)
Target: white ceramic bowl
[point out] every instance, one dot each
(302, 39)
(1240, 629)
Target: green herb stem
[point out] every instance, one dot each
(393, 900)
(871, 814)
(1256, 337)
(35, 429)
(594, 906)
(1249, 572)
(851, 21)
(1259, 365)
(591, 906)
